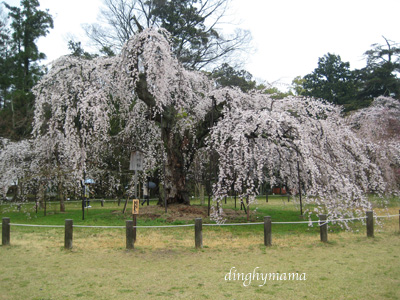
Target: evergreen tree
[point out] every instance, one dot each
(22, 71)
(379, 77)
(225, 75)
(5, 37)
(332, 81)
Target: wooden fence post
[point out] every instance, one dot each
(198, 232)
(370, 224)
(68, 234)
(399, 220)
(323, 228)
(267, 231)
(102, 202)
(130, 244)
(6, 232)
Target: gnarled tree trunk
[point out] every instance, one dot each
(175, 168)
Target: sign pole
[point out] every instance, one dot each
(134, 228)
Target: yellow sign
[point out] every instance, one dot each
(135, 207)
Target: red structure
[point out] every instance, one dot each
(279, 191)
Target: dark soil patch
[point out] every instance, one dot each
(180, 212)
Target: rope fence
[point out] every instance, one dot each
(192, 225)
(131, 227)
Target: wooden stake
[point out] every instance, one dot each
(130, 243)
(198, 232)
(323, 229)
(370, 224)
(68, 234)
(267, 231)
(6, 232)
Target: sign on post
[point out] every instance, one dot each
(136, 161)
(135, 207)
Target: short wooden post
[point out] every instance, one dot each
(102, 202)
(267, 231)
(130, 244)
(370, 224)
(399, 220)
(323, 228)
(68, 234)
(198, 232)
(6, 232)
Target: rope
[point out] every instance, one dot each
(108, 227)
(142, 226)
(336, 220)
(33, 225)
(192, 225)
(165, 226)
(233, 224)
(388, 216)
(299, 222)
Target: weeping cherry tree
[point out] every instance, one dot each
(146, 100)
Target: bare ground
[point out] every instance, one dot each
(183, 212)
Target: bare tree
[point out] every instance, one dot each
(197, 40)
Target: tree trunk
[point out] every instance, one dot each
(175, 169)
(200, 188)
(175, 180)
(62, 203)
(61, 197)
(41, 196)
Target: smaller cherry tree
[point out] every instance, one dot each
(72, 121)
(19, 163)
(379, 126)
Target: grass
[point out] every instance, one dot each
(165, 265)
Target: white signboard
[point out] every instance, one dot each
(136, 161)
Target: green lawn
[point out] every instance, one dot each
(165, 265)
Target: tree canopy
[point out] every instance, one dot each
(195, 38)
